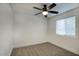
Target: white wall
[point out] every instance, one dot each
(6, 29)
(19, 29)
(29, 29)
(68, 43)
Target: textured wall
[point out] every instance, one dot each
(6, 29)
(29, 29)
(66, 42)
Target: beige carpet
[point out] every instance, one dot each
(44, 49)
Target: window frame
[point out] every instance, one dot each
(65, 27)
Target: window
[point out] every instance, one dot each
(66, 26)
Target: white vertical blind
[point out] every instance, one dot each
(70, 26)
(60, 27)
(66, 26)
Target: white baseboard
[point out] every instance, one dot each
(71, 50)
(10, 52)
(29, 44)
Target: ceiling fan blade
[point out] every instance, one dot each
(38, 13)
(37, 8)
(52, 6)
(55, 12)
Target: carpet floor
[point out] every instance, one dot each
(44, 49)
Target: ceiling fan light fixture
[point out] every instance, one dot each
(45, 12)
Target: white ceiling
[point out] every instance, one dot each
(63, 7)
(27, 8)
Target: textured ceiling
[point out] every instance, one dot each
(27, 8)
(63, 7)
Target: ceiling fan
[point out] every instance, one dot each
(45, 9)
